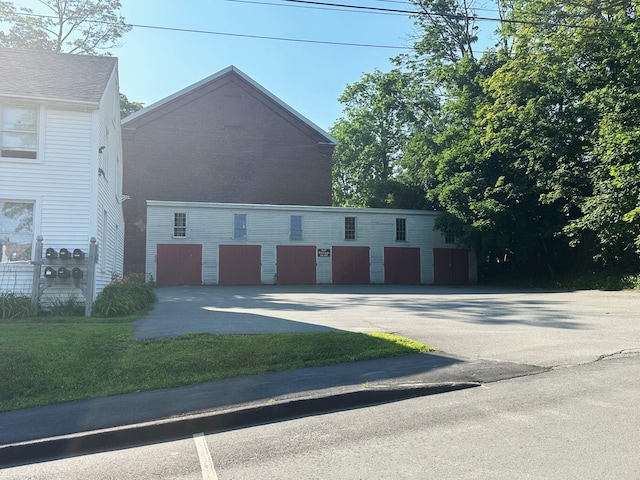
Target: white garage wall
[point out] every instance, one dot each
(212, 224)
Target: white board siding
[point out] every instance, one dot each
(58, 185)
(211, 225)
(65, 188)
(109, 188)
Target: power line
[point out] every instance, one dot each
(240, 35)
(456, 16)
(331, 9)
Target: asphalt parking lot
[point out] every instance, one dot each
(530, 327)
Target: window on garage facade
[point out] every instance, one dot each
(19, 135)
(296, 227)
(449, 238)
(349, 228)
(16, 231)
(239, 226)
(179, 224)
(401, 229)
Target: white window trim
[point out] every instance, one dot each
(355, 228)
(173, 224)
(406, 234)
(40, 132)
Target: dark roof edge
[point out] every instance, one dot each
(217, 75)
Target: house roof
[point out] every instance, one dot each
(50, 76)
(231, 70)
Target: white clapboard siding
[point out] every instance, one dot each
(212, 224)
(110, 237)
(70, 197)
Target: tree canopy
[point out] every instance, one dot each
(86, 27)
(530, 148)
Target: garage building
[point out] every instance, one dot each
(193, 243)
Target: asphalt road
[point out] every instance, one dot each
(577, 337)
(530, 327)
(575, 422)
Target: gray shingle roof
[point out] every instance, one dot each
(43, 75)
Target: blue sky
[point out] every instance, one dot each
(308, 77)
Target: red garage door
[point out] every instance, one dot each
(239, 264)
(450, 266)
(350, 265)
(296, 264)
(402, 265)
(178, 265)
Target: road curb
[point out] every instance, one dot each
(182, 427)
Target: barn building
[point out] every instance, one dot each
(223, 139)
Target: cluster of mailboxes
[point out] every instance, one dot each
(52, 272)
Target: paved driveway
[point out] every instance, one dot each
(538, 328)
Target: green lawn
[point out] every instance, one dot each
(51, 360)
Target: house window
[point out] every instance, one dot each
(296, 227)
(19, 137)
(16, 231)
(179, 224)
(401, 229)
(349, 228)
(449, 238)
(240, 226)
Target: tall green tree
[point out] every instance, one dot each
(86, 27)
(382, 110)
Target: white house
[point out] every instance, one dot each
(190, 243)
(60, 165)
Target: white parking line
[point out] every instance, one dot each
(206, 463)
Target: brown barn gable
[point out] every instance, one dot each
(224, 139)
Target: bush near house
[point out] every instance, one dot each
(14, 305)
(124, 296)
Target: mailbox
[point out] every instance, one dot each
(77, 273)
(63, 273)
(51, 254)
(65, 254)
(50, 272)
(78, 254)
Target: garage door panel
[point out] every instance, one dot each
(296, 264)
(350, 265)
(402, 265)
(451, 266)
(178, 264)
(240, 264)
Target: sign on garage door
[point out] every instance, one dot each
(178, 264)
(402, 265)
(350, 265)
(450, 266)
(296, 264)
(239, 264)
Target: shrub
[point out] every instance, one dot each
(13, 305)
(64, 307)
(124, 296)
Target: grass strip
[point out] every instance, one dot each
(48, 362)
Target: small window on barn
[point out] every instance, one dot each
(401, 229)
(240, 226)
(296, 227)
(19, 134)
(179, 224)
(349, 228)
(449, 238)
